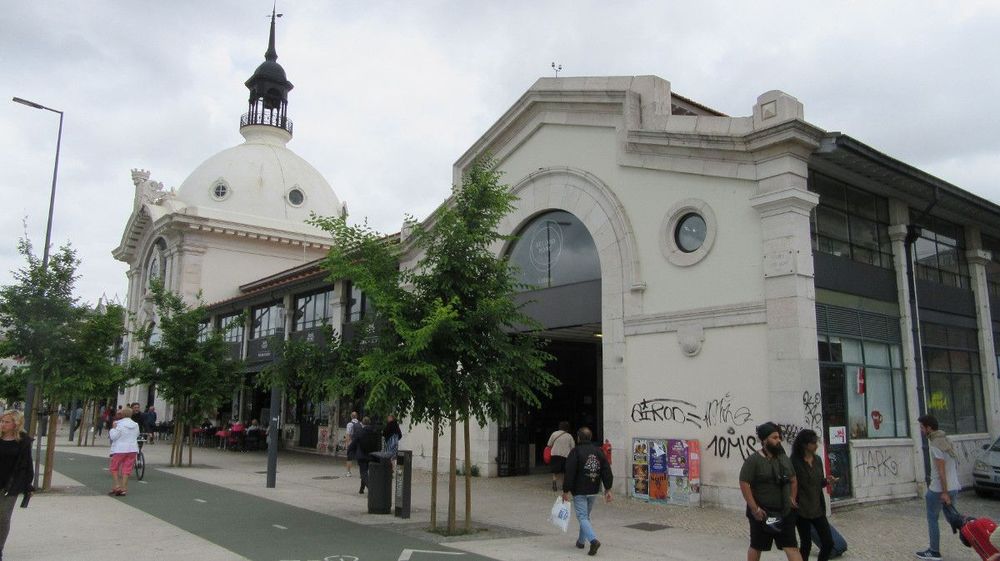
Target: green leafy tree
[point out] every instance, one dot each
(69, 348)
(13, 382)
(446, 345)
(192, 369)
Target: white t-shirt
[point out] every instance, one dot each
(950, 470)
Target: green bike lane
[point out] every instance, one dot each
(256, 528)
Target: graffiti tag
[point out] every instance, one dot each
(721, 412)
(723, 446)
(666, 409)
(877, 462)
(813, 409)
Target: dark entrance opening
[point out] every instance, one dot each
(522, 436)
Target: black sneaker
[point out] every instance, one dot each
(596, 544)
(929, 555)
(580, 545)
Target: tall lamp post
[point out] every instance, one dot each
(30, 391)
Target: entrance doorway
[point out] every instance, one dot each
(577, 399)
(835, 415)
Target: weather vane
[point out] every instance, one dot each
(274, 8)
(557, 68)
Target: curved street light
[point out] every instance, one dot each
(30, 391)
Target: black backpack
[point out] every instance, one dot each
(370, 441)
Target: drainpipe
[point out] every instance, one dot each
(912, 234)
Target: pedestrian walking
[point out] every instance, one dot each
(365, 443)
(392, 435)
(586, 470)
(348, 437)
(943, 487)
(769, 487)
(15, 468)
(560, 443)
(811, 498)
(124, 435)
(149, 423)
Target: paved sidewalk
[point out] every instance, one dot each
(510, 516)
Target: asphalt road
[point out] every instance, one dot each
(256, 528)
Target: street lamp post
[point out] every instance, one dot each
(30, 391)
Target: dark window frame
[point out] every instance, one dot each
(960, 345)
(838, 200)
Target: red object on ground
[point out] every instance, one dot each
(606, 448)
(976, 534)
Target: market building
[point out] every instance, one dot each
(696, 274)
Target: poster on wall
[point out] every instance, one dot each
(666, 471)
(658, 485)
(640, 469)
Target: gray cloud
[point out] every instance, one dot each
(388, 95)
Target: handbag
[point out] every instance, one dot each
(547, 455)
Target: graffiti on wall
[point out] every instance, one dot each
(726, 446)
(721, 411)
(812, 407)
(666, 410)
(875, 463)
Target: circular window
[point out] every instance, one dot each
(220, 191)
(690, 233)
(296, 197)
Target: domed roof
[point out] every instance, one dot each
(260, 182)
(269, 70)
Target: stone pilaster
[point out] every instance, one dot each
(790, 300)
(978, 259)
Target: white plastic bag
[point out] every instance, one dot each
(560, 514)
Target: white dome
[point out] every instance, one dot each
(259, 182)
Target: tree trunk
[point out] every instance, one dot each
(434, 473)
(468, 479)
(95, 418)
(451, 476)
(190, 443)
(175, 454)
(36, 404)
(50, 449)
(83, 423)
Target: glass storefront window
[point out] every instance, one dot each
(313, 310)
(954, 394)
(267, 321)
(870, 383)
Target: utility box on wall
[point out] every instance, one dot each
(666, 470)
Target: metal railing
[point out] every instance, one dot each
(268, 119)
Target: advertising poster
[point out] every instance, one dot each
(666, 471)
(658, 485)
(677, 459)
(640, 469)
(694, 472)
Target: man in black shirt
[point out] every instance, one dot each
(586, 470)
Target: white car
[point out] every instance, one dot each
(986, 471)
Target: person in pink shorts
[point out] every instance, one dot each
(124, 435)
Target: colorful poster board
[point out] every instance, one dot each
(666, 470)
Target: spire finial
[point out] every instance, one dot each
(272, 54)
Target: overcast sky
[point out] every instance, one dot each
(389, 94)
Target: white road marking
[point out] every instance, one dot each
(279, 526)
(201, 500)
(407, 553)
(144, 482)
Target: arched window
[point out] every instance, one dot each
(555, 249)
(156, 264)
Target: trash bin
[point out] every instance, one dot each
(380, 484)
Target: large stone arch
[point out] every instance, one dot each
(589, 199)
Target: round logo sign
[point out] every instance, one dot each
(546, 246)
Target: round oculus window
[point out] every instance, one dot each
(220, 191)
(296, 197)
(691, 232)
